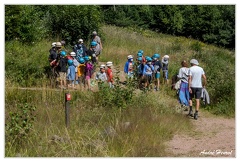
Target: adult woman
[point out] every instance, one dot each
(184, 90)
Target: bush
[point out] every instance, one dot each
(20, 123)
(119, 96)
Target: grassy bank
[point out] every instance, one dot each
(139, 128)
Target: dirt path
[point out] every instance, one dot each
(211, 137)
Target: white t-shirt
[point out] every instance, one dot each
(196, 72)
(183, 74)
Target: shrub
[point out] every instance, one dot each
(20, 123)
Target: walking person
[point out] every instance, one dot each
(165, 62)
(196, 73)
(184, 91)
(99, 47)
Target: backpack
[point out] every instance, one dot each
(79, 50)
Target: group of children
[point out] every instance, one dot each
(81, 73)
(147, 69)
(76, 71)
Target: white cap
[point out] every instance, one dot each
(166, 56)
(102, 66)
(194, 61)
(94, 33)
(54, 44)
(73, 54)
(109, 63)
(80, 40)
(130, 57)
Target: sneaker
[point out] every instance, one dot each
(190, 114)
(195, 116)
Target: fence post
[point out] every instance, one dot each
(67, 108)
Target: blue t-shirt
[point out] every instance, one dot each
(148, 69)
(71, 72)
(157, 66)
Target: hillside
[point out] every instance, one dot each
(142, 125)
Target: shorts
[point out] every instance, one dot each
(130, 75)
(196, 93)
(165, 74)
(88, 77)
(63, 75)
(157, 75)
(147, 78)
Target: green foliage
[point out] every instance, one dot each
(25, 64)
(23, 23)
(71, 22)
(220, 79)
(20, 123)
(213, 24)
(196, 46)
(119, 96)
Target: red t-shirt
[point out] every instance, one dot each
(109, 75)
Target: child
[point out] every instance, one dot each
(75, 63)
(88, 71)
(128, 68)
(140, 54)
(71, 73)
(62, 68)
(140, 67)
(147, 72)
(101, 76)
(110, 74)
(157, 68)
(165, 62)
(81, 71)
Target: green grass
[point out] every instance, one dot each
(152, 116)
(151, 125)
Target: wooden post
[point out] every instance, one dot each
(67, 108)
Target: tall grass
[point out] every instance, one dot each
(139, 130)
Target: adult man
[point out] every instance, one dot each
(80, 49)
(99, 47)
(196, 74)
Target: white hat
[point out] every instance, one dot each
(109, 63)
(194, 61)
(94, 33)
(54, 44)
(72, 54)
(130, 57)
(166, 56)
(102, 66)
(80, 40)
(58, 44)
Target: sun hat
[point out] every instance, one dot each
(72, 54)
(54, 44)
(194, 61)
(80, 40)
(102, 66)
(109, 63)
